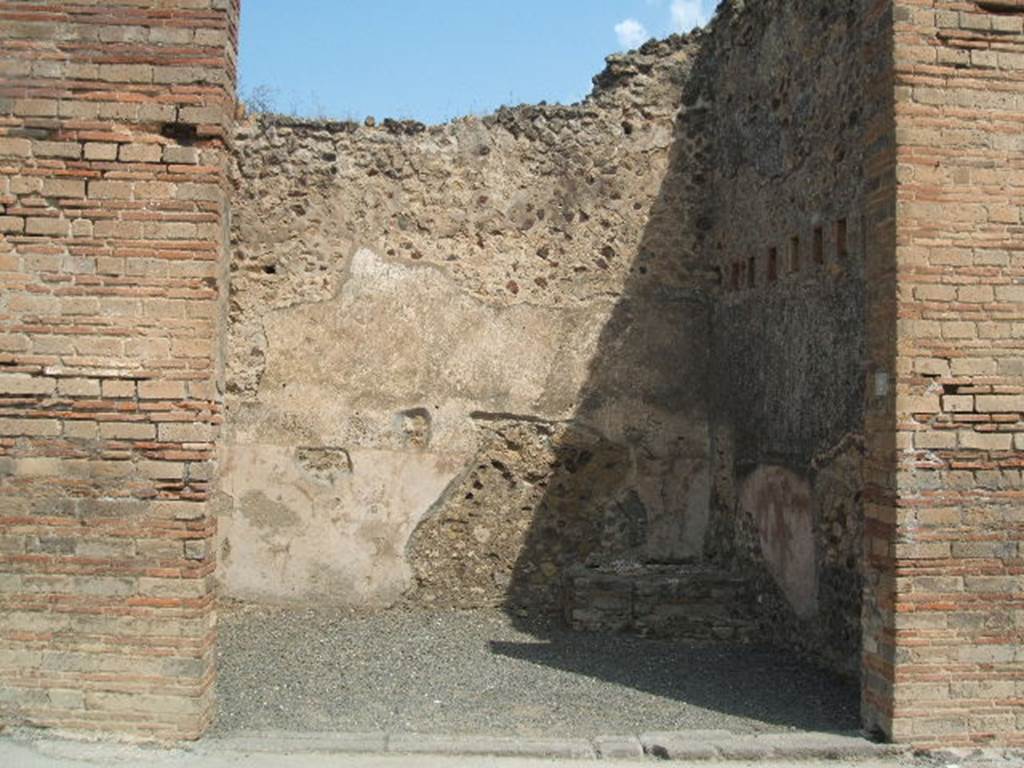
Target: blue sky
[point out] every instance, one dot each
(432, 60)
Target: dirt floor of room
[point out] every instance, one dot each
(483, 672)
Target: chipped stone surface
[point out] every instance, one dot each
(691, 603)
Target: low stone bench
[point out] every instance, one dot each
(692, 602)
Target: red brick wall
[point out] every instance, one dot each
(113, 124)
(946, 662)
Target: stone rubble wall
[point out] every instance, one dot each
(463, 357)
(114, 124)
(787, 201)
(541, 338)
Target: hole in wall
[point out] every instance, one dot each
(1003, 7)
(185, 134)
(841, 239)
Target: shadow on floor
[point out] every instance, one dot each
(750, 682)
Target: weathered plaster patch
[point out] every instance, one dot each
(325, 465)
(780, 503)
(264, 513)
(334, 535)
(399, 334)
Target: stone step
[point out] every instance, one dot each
(690, 602)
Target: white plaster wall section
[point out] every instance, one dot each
(296, 533)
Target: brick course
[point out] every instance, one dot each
(113, 138)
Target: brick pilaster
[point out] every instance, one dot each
(945, 540)
(113, 202)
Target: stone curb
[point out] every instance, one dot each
(404, 744)
(277, 742)
(722, 745)
(407, 744)
(666, 745)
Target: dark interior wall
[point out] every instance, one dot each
(785, 80)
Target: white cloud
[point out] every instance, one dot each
(631, 33)
(687, 14)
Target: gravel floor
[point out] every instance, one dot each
(478, 672)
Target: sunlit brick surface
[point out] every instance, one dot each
(113, 117)
(945, 657)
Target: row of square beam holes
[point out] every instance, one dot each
(745, 274)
